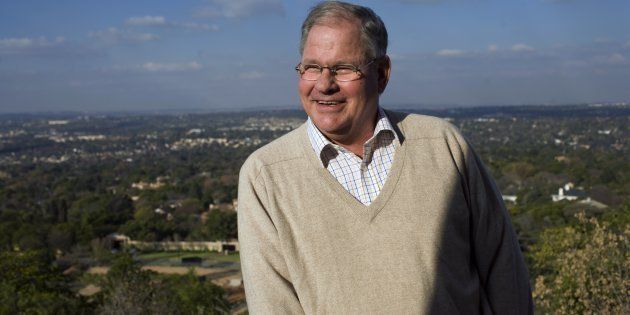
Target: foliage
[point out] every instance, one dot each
(197, 297)
(98, 215)
(150, 227)
(583, 269)
(127, 289)
(29, 284)
(61, 237)
(220, 225)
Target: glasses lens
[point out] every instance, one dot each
(344, 73)
(310, 72)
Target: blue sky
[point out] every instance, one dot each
(88, 55)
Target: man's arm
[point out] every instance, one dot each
(268, 288)
(500, 264)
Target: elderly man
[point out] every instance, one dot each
(362, 210)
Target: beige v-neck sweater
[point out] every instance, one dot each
(437, 239)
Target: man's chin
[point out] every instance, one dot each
(333, 130)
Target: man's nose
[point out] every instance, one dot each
(326, 83)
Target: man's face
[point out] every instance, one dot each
(341, 110)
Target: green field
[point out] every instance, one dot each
(170, 258)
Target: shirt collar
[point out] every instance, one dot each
(319, 142)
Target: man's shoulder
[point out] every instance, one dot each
(417, 126)
(288, 147)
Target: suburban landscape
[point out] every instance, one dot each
(112, 210)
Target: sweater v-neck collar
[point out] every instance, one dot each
(365, 213)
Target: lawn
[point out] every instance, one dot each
(170, 257)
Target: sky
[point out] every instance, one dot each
(124, 55)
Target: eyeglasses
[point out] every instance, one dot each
(341, 73)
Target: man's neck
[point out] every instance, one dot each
(355, 143)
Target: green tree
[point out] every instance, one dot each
(197, 297)
(30, 236)
(29, 284)
(220, 225)
(61, 237)
(6, 235)
(97, 215)
(583, 269)
(129, 290)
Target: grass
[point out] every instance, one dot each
(210, 256)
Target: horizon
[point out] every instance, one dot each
(220, 55)
(624, 106)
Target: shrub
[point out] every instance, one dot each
(583, 269)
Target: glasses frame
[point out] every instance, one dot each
(300, 68)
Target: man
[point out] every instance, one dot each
(362, 210)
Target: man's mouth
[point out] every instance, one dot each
(328, 103)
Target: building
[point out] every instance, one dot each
(569, 192)
(510, 198)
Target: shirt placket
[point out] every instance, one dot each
(351, 168)
(367, 165)
(361, 177)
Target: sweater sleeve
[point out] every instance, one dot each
(502, 271)
(268, 288)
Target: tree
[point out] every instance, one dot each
(30, 236)
(197, 297)
(128, 289)
(6, 235)
(220, 225)
(97, 215)
(61, 237)
(29, 284)
(583, 269)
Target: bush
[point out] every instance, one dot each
(128, 289)
(583, 269)
(30, 284)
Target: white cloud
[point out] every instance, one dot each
(170, 67)
(199, 26)
(450, 53)
(603, 40)
(146, 20)
(251, 75)
(160, 21)
(396, 57)
(24, 43)
(241, 8)
(612, 59)
(616, 58)
(32, 46)
(574, 63)
(493, 48)
(113, 35)
(522, 48)
(152, 67)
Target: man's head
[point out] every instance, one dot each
(372, 29)
(336, 34)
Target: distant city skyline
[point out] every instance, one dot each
(88, 55)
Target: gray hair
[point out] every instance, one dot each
(373, 31)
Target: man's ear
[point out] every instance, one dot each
(384, 69)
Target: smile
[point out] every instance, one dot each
(328, 103)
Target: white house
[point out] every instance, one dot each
(568, 192)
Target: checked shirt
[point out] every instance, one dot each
(362, 177)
